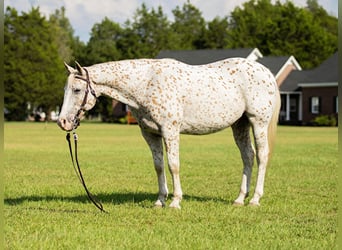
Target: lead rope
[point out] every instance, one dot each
(79, 173)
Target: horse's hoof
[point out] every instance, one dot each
(175, 204)
(159, 204)
(254, 204)
(238, 204)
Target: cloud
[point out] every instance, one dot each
(83, 14)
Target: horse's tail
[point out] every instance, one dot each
(272, 127)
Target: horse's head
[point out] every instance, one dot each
(79, 96)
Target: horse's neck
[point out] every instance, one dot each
(124, 81)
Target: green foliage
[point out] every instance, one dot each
(189, 27)
(217, 33)
(102, 45)
(45, 206)
(34, 71)
(284, 29)
(152, 30)
(325, 120)
(63, 34)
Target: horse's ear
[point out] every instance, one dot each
(80, 69)
(69, 69)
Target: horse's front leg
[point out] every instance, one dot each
(156, 145)
(171, 141)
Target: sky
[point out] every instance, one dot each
(83, 14)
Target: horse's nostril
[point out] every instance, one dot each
(61, 122)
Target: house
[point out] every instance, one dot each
(310, 93)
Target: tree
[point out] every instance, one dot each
(281, 29)
(63, 34)
(326, 21)
(189, 27)
(149, 33)
(79, 50)
(216, 35)
(70, 47)
(34, 71)
(102, 45)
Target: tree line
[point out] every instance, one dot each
(36, 46)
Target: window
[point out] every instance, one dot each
(315, 105)
(293, 104)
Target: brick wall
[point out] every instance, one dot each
(327, 102)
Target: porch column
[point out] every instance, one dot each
(300, 108)
(287, 107)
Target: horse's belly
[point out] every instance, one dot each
(210, 118)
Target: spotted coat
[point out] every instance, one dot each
(168, 97)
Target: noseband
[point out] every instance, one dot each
(84, 102)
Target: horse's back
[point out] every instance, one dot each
(205, 97)
(211, 97)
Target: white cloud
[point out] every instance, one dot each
(83, 14)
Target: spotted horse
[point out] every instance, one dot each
(169, 98)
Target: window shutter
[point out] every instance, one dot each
(335, 103)
(310, 105)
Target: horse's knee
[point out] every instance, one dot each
(174, 168)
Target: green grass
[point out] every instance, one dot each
(46, 207)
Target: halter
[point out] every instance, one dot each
(84, 102)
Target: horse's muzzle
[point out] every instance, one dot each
(68, 125)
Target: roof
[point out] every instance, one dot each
(204, 56)
(324, 75)
(274, 63)
(327, 72)
(290, 84)
(278, 63)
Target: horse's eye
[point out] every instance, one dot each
(77, 91)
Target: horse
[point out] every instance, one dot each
(169, 98)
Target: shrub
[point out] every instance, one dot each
(325, 120)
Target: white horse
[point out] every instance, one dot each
(168, 97)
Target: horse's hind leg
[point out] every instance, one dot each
(241, 132)
(260, 130)
(171, 140)
(156, 145)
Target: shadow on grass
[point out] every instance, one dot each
(139, 198)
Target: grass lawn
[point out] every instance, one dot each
(46, 206)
